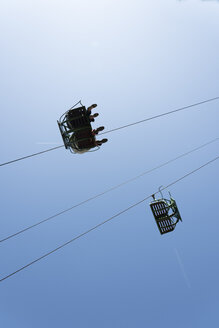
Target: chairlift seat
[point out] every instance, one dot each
(166, 214)
(73, 122)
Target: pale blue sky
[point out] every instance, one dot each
(135, 59)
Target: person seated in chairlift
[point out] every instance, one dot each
(85, 140)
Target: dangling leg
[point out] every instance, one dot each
(100, 142)
(93, 116)
(89, 109)
(96, 131)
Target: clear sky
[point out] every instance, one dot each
(135, 59)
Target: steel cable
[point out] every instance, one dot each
(35, 154)
(106, 191)
(119, 128)
(102, 223)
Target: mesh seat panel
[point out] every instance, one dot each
(159, 209)
(165, 225)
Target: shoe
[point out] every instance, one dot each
(101, 128)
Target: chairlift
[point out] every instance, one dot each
(76, 129)
(166, 213)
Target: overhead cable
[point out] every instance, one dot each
(104, 222)
(106, 191)
(160, 115)
(119, 128)
(35, 154)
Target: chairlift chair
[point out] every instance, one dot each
(166, 213)
(72, 124)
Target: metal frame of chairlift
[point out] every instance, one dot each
(166, 213)
(69, 126)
